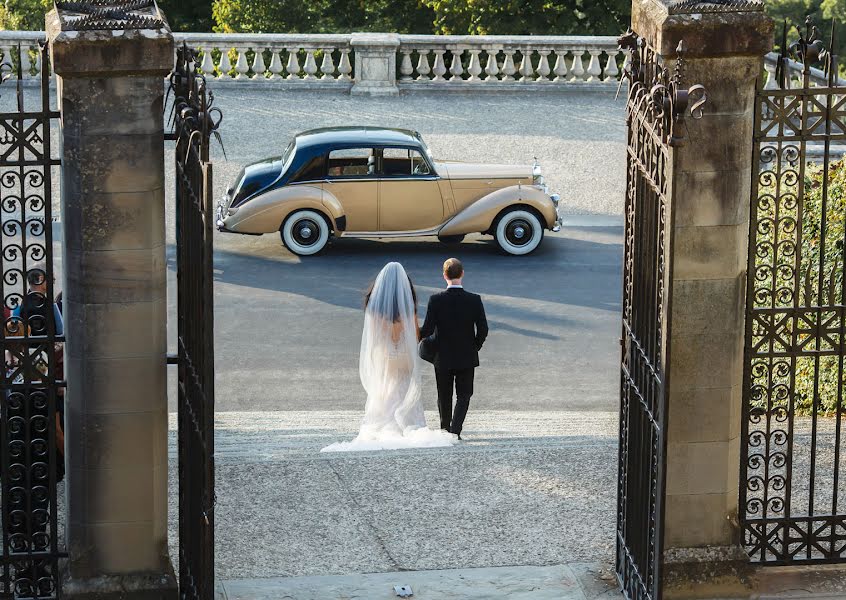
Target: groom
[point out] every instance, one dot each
(457, 320)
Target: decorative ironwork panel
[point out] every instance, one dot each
(194, 124)
(31, 405)
(792, 463)
(655, 111)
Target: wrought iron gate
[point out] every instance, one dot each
(31, 407)
(655, 111)
(792, 461)
(194, 124)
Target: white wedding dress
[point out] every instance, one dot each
(390, 372)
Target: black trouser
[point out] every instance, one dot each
(462, 380)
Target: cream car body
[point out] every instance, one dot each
(371, 182)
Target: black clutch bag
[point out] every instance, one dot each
(427, 350)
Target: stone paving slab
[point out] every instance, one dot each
(558, 582)
(524, 489)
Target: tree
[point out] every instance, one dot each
(27, 15)
(322, 16)
(188, 15)
(525, 17)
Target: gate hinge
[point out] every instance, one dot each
(172, 359)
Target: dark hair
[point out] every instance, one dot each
(394, 311)
(36, 276)
(453, 268)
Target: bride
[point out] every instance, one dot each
(390, 370)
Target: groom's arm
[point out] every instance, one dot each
(429, 323)
(481, 325)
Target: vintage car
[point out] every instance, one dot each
(380, 183)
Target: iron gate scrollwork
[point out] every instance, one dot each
(792, 461)
(31, 406)
(195, 121)
(655, 111)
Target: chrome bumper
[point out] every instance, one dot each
(556, 200)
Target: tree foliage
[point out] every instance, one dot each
(525, 17)
(322, 16)
(24, 14)
(188, 15)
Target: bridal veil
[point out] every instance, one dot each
(388, 363)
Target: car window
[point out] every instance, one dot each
(398, 162)
(352, 162)
(312, 170)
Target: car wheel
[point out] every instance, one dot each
(451, 239)
(305, 232)
(518, 232)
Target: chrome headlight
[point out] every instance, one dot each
(556, 198)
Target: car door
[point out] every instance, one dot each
(409, 194)
(352, 178)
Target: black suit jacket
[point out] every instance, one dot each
(457, 321)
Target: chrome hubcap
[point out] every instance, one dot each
(306, 232)
(519, 232)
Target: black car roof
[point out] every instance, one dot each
(350, 136)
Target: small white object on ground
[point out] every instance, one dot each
(403, 591)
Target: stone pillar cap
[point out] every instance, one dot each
(109, 38)
(708, 27)
(380, 40)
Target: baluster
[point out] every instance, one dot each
(543, 66)
(560, 69)
(423, 68)
(259, 68)
(26, 61)
(475, 67)
(225, 65)
(594, 69)
(526, 69)
(7, 58)
(38, 65)
(771, 83)
(456, 68)
(275, 67)
(491, 68)
(440, 68)
(612, 71)
(577, 70)
(241, 66)
(293, 66)
(207, 65)
(310, 67)
(327, 66)
(344, 67)
(508, 69)
(406, 68)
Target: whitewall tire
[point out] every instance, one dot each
(518, 232)
(305, 232)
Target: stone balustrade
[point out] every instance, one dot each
(317, 60)
(487, 61)
(431, 62)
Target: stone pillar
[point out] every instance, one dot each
(375, 64)
(110, 92)
(710, 194)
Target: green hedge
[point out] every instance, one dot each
(809, 373)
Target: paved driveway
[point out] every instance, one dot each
(287, 330)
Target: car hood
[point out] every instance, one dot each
(255, 177)
(458, 170)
